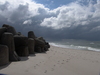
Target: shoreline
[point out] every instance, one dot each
(56, 61)
(77, 47)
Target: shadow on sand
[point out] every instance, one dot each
(4, 66)
(32, 55)
(26, 58)
(22, 59)
(2, 74)
(41, 53)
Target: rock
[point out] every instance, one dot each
(31, 44)
(31, 34)
(4, 55)
(7, 39)
(10, 29)
(21, 45)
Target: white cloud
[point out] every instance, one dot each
(22, 9)
(70, 15)
(73, 14)
(28, 15)
(27, 22)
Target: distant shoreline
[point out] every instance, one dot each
(76, 47)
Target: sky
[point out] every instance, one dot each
(52, 4)
(53, 19)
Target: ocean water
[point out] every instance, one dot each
(77, 44)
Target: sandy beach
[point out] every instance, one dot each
(57, 61)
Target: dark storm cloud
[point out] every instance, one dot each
(19, 13)
(72, 21)
(4, 6)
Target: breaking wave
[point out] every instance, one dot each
(75, 47)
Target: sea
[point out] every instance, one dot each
(77, 44)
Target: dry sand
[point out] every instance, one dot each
(57, 61)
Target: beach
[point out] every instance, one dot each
(56, 61)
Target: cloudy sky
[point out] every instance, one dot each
(53, 19)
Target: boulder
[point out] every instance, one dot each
(21, 45)
(8, 39)
(31, 44)
(10, 29)
(4, 55)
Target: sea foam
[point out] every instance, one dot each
(75, 47)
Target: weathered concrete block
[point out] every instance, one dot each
(4, 55)
(20, 41)
(43, 49)
(7, 39)
(31, 45)
(2, 30)
(31, 34)
(22, 51)
(38, 49)
(21, 45)
(39, 42)
(10, 29)
(47, 44)
(46, 48)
